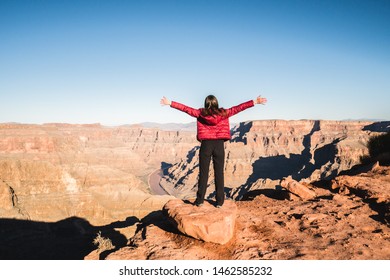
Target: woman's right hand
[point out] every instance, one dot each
(165, 101)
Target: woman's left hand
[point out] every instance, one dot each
(260, 100)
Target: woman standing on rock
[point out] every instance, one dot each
(213, 130)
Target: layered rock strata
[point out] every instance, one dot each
(261, 153)
(54, 171)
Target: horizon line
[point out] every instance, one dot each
(184, 123)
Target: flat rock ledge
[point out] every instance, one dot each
(206, 222)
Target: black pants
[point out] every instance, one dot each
(216, 150)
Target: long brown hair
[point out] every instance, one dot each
(211, 107)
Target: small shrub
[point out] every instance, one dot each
(103, 243)
(379, 144)
(379, 149)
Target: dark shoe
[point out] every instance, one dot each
(219, 206)
(198, 204)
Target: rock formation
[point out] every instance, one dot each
(54, 171)
(261, 153)
(57, 179)
(297, 188)
(336, 225)
(205, 223)
(373, 186)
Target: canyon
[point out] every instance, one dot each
(54, 171)
(62, 184)
(261, 153)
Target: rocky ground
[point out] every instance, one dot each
(63, 185)
(348, 219)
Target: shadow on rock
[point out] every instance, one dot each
(271, 193)
(158, 219)
(68, 239)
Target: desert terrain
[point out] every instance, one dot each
(62, 185)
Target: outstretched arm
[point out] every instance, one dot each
(260, 100)
(241, 107)
(190, 111)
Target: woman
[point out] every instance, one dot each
(213, 130)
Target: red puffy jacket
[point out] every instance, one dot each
(215, 126)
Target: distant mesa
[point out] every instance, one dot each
(168, 126)
(92, 125)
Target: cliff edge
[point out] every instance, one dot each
(348, 219)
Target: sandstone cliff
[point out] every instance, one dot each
(261, 153)
(61, 184)
(55, 171)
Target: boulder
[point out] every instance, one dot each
(206, 222)
(297, 188)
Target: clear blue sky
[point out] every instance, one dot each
(112, 61)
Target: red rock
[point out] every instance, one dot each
(339, 227)
(373, 185)
(297, 188)
(206, 223)
(54, 171)
(260, 150)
